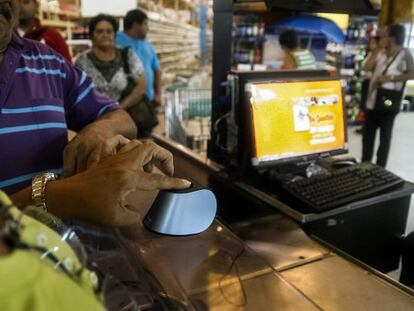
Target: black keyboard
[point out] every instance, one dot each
(341, 186)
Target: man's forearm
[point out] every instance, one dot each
(22, 198)
(114, 123)
(58, 198)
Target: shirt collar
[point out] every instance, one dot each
(19, 43)
(16, 41)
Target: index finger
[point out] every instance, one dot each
(160, 182)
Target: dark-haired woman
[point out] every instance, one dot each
(106, 64)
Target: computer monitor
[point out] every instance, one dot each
(295, 121)
(241, 133)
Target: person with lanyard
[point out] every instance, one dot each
(41, 97)
(31, 28)
(390, 67)
(295, 57)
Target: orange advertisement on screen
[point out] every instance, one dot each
(297, 118)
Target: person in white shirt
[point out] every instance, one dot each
(390, 67)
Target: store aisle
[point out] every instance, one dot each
(401, 160)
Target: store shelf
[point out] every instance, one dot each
(53, 16)
(57, 23)
(177, 45)
(158, 23)
(172, 4)
(79, 42)
(71, 15)
(176, 50)
(176, 58)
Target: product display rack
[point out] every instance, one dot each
(175, 33)
(53, 15)
(61, 15)
(177, 45)
(248, 40)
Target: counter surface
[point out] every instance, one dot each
(269, 265)
(277, 268)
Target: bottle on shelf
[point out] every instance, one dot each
(350, 32)
(356, 33)
(261, 29)
(248, 34)
(258, 56)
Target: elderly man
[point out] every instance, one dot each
(41, 96)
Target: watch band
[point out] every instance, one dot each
(39, 189)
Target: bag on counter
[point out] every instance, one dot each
(143, 113)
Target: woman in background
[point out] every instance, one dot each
(295, 57)
(106, 64)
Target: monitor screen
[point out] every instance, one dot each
(292, 120)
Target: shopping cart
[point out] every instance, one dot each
(188, 117)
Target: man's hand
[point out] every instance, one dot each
(157, 101)
(97, 140)
(87, 149)
(98, 195)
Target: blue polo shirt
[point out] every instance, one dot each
(147, 54)
(41, 96)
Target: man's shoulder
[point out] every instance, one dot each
(37, 47)
(148, 46)
(122, 38)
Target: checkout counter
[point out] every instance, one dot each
(260, 253)
(265, 262)
(369, 230)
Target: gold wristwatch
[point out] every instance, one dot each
(39, 189)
